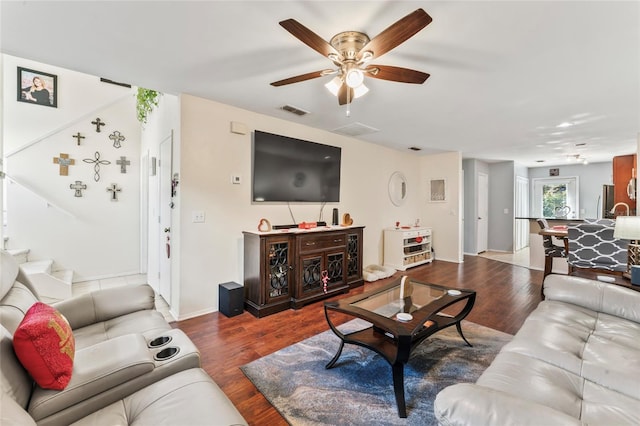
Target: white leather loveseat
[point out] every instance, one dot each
(129, 366)
(575, 361)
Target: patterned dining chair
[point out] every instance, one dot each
(592, 246)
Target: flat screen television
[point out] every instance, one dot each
(294, 170)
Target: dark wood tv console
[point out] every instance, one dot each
(284, 269)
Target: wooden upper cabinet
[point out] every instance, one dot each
(624, 177)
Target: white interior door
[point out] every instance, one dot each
(483, 213)
(165, 207)
(522, 210)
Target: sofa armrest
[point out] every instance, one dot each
(103, 305)
(598, 296)
(471, 404)
(96, 369)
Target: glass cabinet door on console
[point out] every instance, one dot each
(316, 267)
(278, 269)
(268, 273)
(320, 255)
(354, 263)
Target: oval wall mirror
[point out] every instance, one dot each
(397, 188)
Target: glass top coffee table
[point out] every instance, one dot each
(403, 314)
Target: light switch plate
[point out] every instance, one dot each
(197, 216)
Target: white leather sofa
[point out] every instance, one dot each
(130, 366)
(575, 361)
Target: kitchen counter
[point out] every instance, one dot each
(536, 250)
(563, 219)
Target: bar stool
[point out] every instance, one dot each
(550, 250)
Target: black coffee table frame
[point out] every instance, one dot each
(395, 340)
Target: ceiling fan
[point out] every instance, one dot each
(352, 52)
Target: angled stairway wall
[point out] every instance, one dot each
(91, 235)
(51, 284)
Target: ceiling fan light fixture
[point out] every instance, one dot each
(366, 56)
(354, 78)
(334, 57)
(360, 91)
(334, 85)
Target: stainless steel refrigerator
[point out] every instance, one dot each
(607, 202)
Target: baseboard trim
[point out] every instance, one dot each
(81, 279)
(193, 314)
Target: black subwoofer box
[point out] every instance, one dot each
(231, 299)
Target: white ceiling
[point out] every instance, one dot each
(506, 76)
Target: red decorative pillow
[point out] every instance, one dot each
(45, 346)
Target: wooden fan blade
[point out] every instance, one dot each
(299, 78)
(345, 95)
(399, 74)
(308, 37)
(397, 33)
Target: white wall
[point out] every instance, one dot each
(1, 156)
(444, 217)
(211, 252)
(91, 235)
(162, 123)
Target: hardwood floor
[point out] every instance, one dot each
(506, 294)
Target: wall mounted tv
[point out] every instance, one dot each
(293, 170)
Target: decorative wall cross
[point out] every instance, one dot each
(64, 161)
(96, 161)
(123, 163)
(78, 136)
(114, 191)
(78, 186)
(116, 137)
(98, 123)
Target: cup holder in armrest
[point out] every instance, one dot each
(166, 353)
(159, 341)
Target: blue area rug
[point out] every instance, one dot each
(358, 390)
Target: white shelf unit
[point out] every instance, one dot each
(405, 248)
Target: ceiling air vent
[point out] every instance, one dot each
(415, 148)
(355, 129)
(294, 110)
(106, 80)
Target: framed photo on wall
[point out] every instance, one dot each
(437, 190)
(37, 87)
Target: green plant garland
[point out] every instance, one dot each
(146, 100)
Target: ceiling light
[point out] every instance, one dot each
(577, 158)
(564, 125)
(360, 91)
(366, 56)
(354, 78)
(334, 85)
